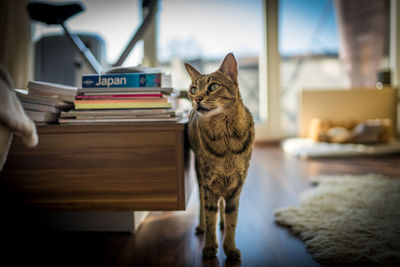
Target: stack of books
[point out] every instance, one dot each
(43, 102)
(122, 97)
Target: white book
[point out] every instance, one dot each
(52, 100)
(66, 98)
(106, 120)
(40, 107)
(124, 93)
(133, 69)
(41, 116)
(65, 92)
(123, 117)
(167, 90)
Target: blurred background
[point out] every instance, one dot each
(323, 44)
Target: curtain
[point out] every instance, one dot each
(15, 44)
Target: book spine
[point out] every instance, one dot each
(125, 90)
(120, 105)
(117, 96)
(124, 80)
(40, 107)
(137, 100)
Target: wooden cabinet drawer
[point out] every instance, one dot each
(103, 167)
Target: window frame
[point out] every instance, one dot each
(270, 129)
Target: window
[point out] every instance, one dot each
(114, 21)
(198, 32)
(308, 47)
(329, 45)
(203, 32)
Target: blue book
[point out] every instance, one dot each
(122, 80)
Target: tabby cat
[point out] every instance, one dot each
(221, 134)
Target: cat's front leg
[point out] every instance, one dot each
(211, 209)
(202, 222)
(221, 214)
(231, 215)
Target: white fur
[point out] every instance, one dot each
(349, 219)
(209, 113)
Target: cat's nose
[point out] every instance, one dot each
(198, 99)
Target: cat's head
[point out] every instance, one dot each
(217, 92)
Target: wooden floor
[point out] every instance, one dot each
(167, 238)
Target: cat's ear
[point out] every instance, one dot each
(192, 71)
(229, 67)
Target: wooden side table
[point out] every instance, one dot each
(103, 167)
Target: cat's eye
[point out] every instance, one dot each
(193, 90)
(213, 87)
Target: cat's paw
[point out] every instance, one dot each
(199, 230)
(233, 254)
(210, 252)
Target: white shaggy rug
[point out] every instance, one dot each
(349, 220)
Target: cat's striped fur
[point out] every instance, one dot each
(221, 134)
